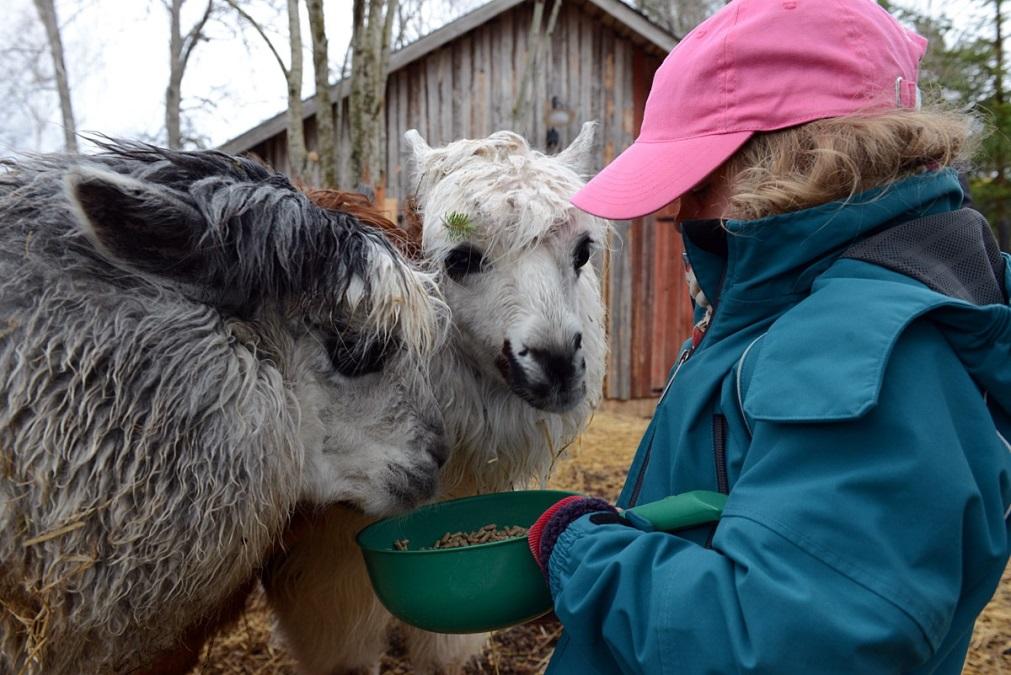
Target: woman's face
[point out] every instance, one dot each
(708, 199)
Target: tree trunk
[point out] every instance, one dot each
(173, 92)
(47, 14)
(296, 132)
(371, 36)
(324, 107)
(293, 79)
(180, 48)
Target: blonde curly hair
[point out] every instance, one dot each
(837, 158)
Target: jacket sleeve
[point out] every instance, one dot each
(840, 549)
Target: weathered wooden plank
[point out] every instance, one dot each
(596, 95)
(555, 76)
(446, 99)
(538, 94)
(521, 120)
(586, 106)
(403, 124)
(572, 100)
(495, 49)
(608, 93)
(642, 308)
(505, 74)
(617, 136)
(480, 95)
(418, 110)
(433, 104)
(632, 104)
(463, 73)
(620, 314)
(390, 136)
(661, 319)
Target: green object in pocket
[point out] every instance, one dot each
(687, 509)
(485, 586)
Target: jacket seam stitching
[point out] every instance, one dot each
(740, 391)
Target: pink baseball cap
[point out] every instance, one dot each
(756, 65)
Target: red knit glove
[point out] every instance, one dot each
(545, 532)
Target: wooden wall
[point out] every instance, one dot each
(595, 70)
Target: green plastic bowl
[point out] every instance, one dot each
(460, 590)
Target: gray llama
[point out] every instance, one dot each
(188, 347)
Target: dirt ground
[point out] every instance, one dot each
(596, 464)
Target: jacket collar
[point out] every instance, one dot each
(765, 261)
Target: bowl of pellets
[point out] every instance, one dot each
(461, 566)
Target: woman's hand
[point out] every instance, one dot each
(545, 531)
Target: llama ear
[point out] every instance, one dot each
(416, 144)
(580, 155)
(418, 152)
(133, 222)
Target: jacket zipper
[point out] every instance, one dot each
(720, 462)
(720, 453)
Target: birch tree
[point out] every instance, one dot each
(370, 58)
(292, 72)
(180, 48)
(327, 144)
(47, 15)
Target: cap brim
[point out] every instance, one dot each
(651, 174)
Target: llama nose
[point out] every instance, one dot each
(558, 366)
(578, 341)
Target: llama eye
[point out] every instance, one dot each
(581, 256)
(464, 260)
(353, 357)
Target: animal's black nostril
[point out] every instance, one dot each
(578, 342)
(524, 351)
(557, 366)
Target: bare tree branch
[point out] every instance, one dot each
(259, 29)
(196, 34)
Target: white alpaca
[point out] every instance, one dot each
(519, 380)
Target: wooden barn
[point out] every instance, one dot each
(464, 80)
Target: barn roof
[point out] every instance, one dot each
(627, 20)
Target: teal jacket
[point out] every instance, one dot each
(857, 417)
